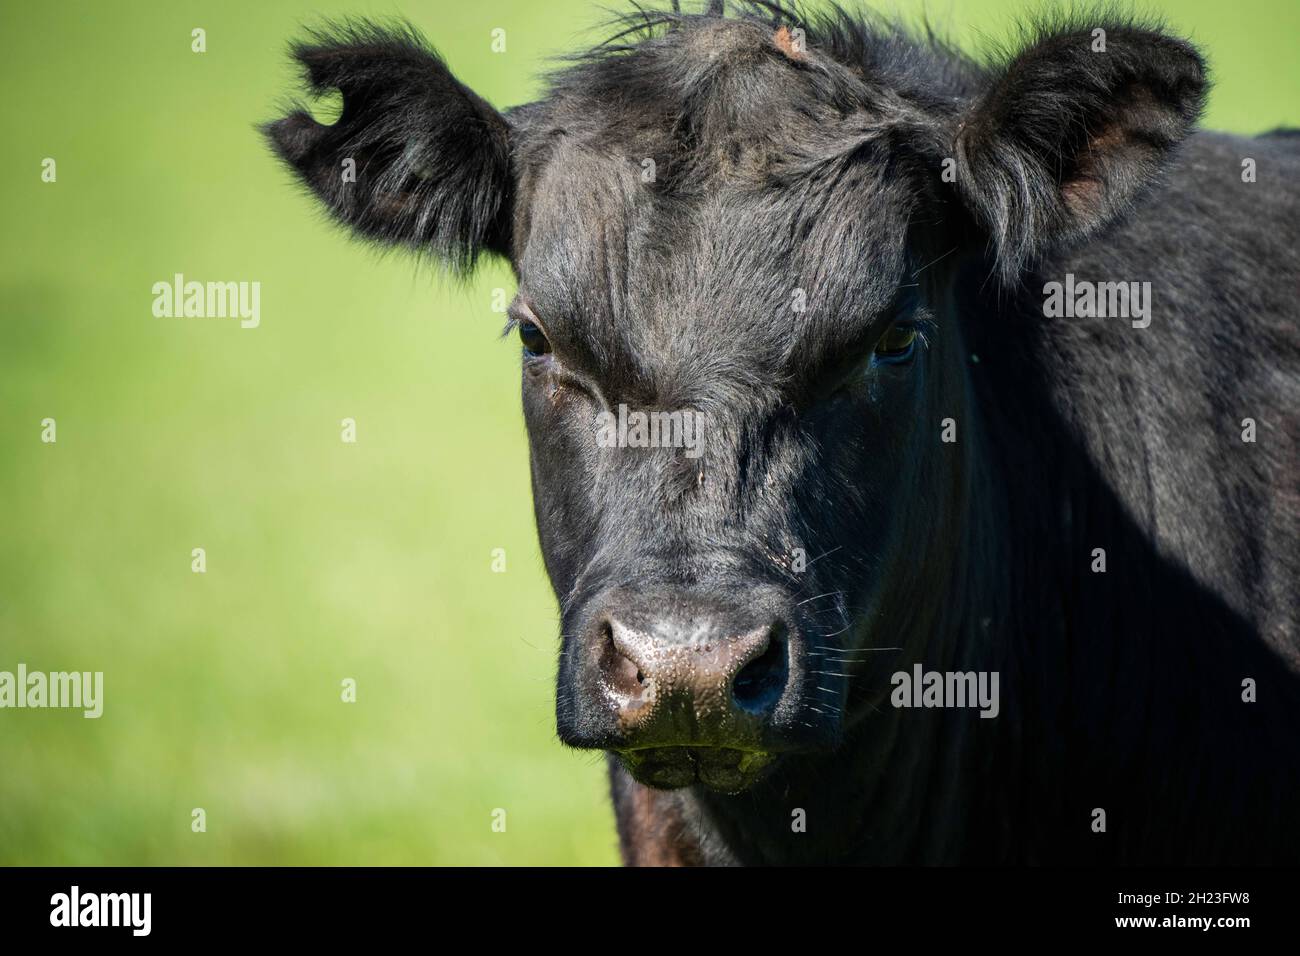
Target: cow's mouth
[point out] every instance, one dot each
(724, 769)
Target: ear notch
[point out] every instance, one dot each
(1070, 133)
(430, 158)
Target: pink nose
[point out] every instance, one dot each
(692, 680)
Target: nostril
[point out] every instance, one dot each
(623, 673)
(628, 675)
(760, 683)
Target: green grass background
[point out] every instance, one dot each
(325, 560)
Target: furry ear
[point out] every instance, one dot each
(416, 159)
(1068, 134)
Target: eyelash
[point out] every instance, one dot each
(514, 325)
(925, 328)
(921, 325)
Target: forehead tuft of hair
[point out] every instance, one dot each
(750, 93)
(873, 44)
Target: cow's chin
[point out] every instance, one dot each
(722, 769)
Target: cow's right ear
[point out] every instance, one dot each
(416, 159)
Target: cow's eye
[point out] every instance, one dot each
(533, 339)
(896, 344)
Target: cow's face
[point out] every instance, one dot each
(723, 576)
(743, 377)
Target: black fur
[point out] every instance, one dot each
(820, 169)
(432, 158)
(1064, 139)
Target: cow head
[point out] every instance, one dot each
(736, 243)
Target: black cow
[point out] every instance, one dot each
(825, 444)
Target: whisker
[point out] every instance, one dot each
(851, 650)
(933, 261)
(823, 554)
(864, 650)
(818, 597)
(840, 631)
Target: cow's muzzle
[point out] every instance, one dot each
(684, 686)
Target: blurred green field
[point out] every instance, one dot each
(325, 560)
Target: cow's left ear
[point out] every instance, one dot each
(416, 159)
(1070, 131)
